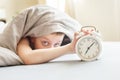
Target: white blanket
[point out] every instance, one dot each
(8, 57)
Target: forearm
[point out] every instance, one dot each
(44, 55)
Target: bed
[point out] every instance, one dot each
(70, 67)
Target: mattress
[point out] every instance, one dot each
(70, 67)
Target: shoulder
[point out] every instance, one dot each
(23, 44)
(26, 42)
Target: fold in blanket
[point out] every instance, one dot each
(37, 21)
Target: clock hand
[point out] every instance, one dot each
(89, 47)
(91, 44)
(87, 50)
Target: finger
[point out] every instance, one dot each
(76, 35)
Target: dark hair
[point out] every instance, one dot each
(66, 40)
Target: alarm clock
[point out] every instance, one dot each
(89, 44)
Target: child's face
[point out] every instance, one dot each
(48, 41)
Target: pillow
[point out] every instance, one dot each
(8, 57)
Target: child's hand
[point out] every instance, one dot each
(74, 41)
(88, 30)
(77, 36)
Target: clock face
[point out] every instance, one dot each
(88, 48)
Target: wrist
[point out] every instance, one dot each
(70, 48)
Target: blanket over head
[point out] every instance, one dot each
(37, 21)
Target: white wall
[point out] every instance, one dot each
(2, 9)
(2, 3)
(14, 6)
(104, 14)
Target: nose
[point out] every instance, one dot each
(52, 46)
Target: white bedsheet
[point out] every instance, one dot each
(69, 67)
